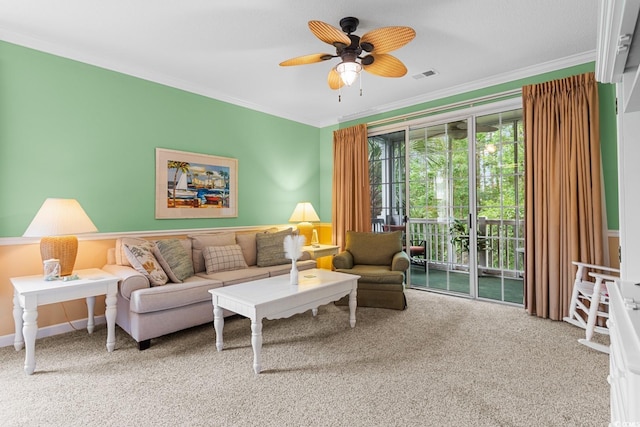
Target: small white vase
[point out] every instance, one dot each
(293, 276)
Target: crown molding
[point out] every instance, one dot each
(84, 57)
(511, 76)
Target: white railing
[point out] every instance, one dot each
(500, 244)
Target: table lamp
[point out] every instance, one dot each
(57, 222)
(304, 214)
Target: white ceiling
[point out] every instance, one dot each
(231, 50)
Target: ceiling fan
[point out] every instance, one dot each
(375, 45)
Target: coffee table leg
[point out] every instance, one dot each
(218, 324)
(353, 303)
(256, 343)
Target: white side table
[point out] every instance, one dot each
(321, 250)
(31, 291)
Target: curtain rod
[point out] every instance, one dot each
(469, 103)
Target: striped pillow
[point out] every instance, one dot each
(270, 247)
(174, 259)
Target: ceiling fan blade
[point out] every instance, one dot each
(334, 80)
(328, 33)
(386, 65)
(306, 59)
(386, 39)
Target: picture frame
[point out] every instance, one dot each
(194, 185)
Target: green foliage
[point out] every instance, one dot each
(460, 237)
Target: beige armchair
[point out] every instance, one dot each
(380, 262)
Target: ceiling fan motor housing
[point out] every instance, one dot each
(349, 24)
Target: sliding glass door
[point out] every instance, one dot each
(439, 182)
(499, 160)
(456, 188)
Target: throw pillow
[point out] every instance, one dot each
(201, 241)
(142, 259)
(247, 242)
(174, 259)
(121, 252)
(223, 258)
(271, 248)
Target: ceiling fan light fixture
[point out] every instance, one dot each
(348, 71)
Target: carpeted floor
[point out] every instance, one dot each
(445, 361)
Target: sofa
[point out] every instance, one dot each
(164, 284)
(380, 262)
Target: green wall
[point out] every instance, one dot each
(69, 129)
(608, 135)
(73, 130)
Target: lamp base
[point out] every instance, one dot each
(305, 229)
(64, 248)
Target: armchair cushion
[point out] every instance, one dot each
(373, 248)
(375, 274)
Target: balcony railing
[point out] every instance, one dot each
(500, 245)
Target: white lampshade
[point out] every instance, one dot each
(57, 222)
(304, 214)
(348, 71)
(60, 217)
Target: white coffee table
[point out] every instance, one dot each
(275, 298)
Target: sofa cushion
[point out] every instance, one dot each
(279, 270)
(233, 277)
(271, 248)
(201, 241)
(223, 258)
(247, 242)
(174, 259)
(373, 248)
(142, 259)
(193, 290)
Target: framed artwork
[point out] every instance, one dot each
(192, 185)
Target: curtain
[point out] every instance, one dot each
(351, 202)
(564, 216)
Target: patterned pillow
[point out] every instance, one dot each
(142, 259)
(271, 248)
(201, 241)
(174, 259)
(223, 258)
(121, 251)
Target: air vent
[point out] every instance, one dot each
(424, 74)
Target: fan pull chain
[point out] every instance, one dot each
(339, 93)
(360, 84)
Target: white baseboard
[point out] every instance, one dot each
(60, 328)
